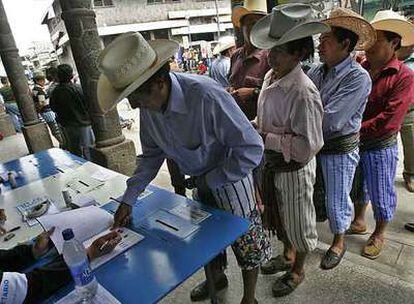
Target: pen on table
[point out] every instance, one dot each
(166, 224)
(14, 229)
(104, 245)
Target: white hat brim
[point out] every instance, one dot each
(109, 96)
(401, 27)
(260, 38)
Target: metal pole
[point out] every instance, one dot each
(218, 19)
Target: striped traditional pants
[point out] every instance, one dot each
(297, 209)
(338, 173)
(379, 169)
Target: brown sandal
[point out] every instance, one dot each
(355, 229)
(373, 248)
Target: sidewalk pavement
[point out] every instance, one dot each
(389, 279)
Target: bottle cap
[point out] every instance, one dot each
(68, 234)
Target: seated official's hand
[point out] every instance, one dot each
(42, 243)
(122, 215)
(104, 245)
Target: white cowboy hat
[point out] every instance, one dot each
(286, 23)
(348, 19)
(224, 44)
(391, 21)
(256, 7)
(126, 63)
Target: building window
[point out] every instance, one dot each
(103, 3)
(162, 1)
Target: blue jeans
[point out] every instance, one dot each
(13, 111)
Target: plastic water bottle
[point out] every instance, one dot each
(75, 257)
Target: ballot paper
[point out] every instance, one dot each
(85, 223)
(102, 296)
(129, 239)
(166, 224)
(190, 212)
(103, 174)
(25, 207)
(84, 184)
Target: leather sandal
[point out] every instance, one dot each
(285, 285)
(331, 259)
(201, 291)
(275, 265)
(355, 229)
(372, 249)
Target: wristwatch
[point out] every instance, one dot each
(256, 91)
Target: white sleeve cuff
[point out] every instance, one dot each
(13, 288)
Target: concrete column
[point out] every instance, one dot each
(6, 125)
(112, 149)
(35, 132)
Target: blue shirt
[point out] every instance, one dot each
(344, 92)
(220, 69)
(202, 130)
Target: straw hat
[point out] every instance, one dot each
(126, 63)
(224, 44)
(256, 7)
(348, 19)
(391, 21)
(286, 23)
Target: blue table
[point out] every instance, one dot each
(155, 266)
(40, 165)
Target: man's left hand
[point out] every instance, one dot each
(243, 94)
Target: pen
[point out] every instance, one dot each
(165, 224)
(14, 229)
(103, 245)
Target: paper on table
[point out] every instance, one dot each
(190, 212)
(129, 239)
(84, 201)
(103, 174)
(102, 296)
(85, 222)
(166, 224)
(26, 206)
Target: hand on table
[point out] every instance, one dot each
(104, 245)
(122, 215)
(42, 243)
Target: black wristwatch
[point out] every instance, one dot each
(256, 92)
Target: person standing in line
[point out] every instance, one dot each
(248, 63)
(68, 102)
(391, 96)
(344, 87)
(289, 120)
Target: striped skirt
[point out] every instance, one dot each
(297, 209)
(379, 169)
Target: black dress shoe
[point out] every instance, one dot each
(201, 292)
(331, 259)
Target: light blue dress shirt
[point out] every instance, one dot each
(220, 69)
(344, 92)
(202, 130)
